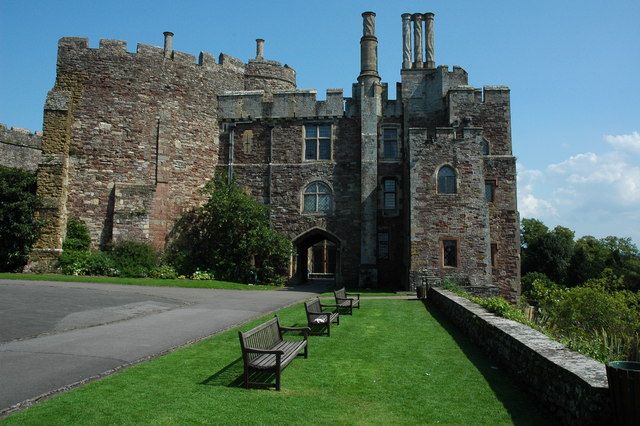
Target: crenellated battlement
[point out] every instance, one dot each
(118, 49)
(486, 95)
(253, 104)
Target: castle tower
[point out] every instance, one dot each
(370, 94)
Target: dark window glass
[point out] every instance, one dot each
(390, 143)
(450, 253)
(383, 245)
(317, 198)
(446, 180)
(489, 190)
(389, 191)
(317, 142)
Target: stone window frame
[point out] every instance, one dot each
(331, 193)
(331, 141)
(495, 188)
(385, 192)
(381, 153)
(441, 243)
(456, 183)
(380, 255)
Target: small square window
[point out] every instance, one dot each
(450, 253)
(389, 190)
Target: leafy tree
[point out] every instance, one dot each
(547, 252)
(229, 236)
(19, 228)
(531, 230)
(590, 257)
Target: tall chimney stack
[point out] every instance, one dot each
(369, 45)
(406, 41)
(168, 44)
(417, 40)
(431, 50)
(259, 49)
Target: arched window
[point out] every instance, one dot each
(446, 180)
(317, 198)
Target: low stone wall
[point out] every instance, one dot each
(570, 386)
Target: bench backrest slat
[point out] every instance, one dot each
(264, 336)
(313, 306)
(340, 294)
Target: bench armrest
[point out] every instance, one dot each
(264, 351)
(322, 305)
(353, 294)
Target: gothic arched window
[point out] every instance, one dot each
(317, 198)
(446, 180)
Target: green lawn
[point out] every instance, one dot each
(136, 281)
(393, 362)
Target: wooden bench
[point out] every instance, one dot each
(317, 318)
(264, 350)
(346, 301)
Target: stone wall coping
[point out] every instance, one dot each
(242, 93)
(586, 369)
(295, 92)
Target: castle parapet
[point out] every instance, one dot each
(252, 104)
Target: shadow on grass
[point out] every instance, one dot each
(229, 376)
(520, 410)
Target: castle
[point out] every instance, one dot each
(375, 192)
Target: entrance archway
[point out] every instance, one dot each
(317, 256)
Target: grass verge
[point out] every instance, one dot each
(136, 281)
(393, 362)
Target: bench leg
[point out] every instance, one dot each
(306, 351)
(278, 378)
(246, 377)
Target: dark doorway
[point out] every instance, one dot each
(317, 256)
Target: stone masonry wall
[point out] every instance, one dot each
(20, 148)
(283, 179)
(570, 386)
(462, 216)
(144, 135)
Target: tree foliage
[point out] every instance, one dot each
(548, 252)
(230, 236)
(78, 237)
(19, 228)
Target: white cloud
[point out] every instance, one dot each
(629, 142)
(593, 193)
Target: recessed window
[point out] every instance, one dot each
(390, 144)
(450, 253)
(317, 142)
(389, 189)
(489, 190)
(485, 147)
(446, 180)
(494, 254)
(383, 245)
(317, 198)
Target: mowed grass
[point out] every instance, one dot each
(393, 362)
(136, 281)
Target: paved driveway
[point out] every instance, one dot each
(53, 335)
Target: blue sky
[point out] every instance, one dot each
(572, 67)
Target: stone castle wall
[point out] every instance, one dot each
(20, 148)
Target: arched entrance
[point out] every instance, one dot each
(317, 256)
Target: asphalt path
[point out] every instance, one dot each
(56, 335)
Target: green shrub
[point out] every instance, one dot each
(78, 262)
(19, 228)
(134, 258)
(230, 237)
(78, 237)
(164, 272)
(202, 275)
(502, 308)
